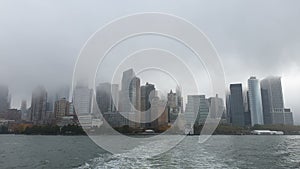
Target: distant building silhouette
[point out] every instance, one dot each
(273, 104)
(4, 99)
(237, 113)
(104, 97)
(39, 105)
(147, 94)
(24, 111)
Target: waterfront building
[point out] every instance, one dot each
(216, 108)
(273, 103)
(255, 102)
(104, 97)
(4, 99)
(147, 94)
(39, 105)
(130, 94)
(198, 105)
(173, 107)
(237, 113)
(82, 100)
(61, 108)
(24, 112)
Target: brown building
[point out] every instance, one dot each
(61, 108)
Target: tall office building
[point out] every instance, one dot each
(24, 112)
(135, 93)
(273, 104)
(179, 99)
(61, 108)
(255, 102)
(82, 100)
(115, 96)
(199, 106)
(107, 96)
(159, 113)
(147, 94)
(4, 99)
(103, 97)
(247, 114)
(39, 105)
(130, 92)
(172, 106)
(236, 105)
(216, 108)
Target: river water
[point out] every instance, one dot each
(22, 151)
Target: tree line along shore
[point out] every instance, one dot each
(78, 130)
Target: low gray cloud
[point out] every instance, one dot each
(40, 40)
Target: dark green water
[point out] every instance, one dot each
(19, 151)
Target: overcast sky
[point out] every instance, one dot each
(40, 40)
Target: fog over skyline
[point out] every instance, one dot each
(40, 40)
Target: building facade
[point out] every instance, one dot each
(255, 101)
(273, 104)
(61, 108)
(39, 105)
(4, 99)
(236, 105)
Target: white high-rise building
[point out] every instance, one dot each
(273, 104)
(82, 100)
(24, 112)
(255, 102)
(130, 92)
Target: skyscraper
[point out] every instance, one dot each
(24, 113)
(179, 99)
(203, 110)
(147, 94)
(130, 92)
(61, 108)
(273, 104)
(39, 105)
(255, 102)
(107, 96)
(4, 99)
(82, 100)
(199, 106)
(135, 93)
(216, 107)
(115, 96)
(103, 97)
(172, 106)
(236, 105)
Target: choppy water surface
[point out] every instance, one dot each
(19, 151)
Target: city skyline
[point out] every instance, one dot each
(261, 103)
(47, 54)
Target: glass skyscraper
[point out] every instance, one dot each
(255, 102)
(237, 110)
(272, 101)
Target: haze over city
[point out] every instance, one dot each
(40, 43)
